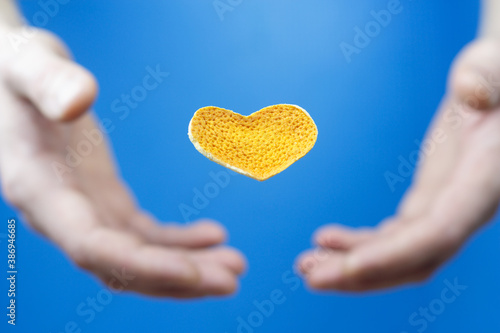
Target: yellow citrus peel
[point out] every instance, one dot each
(260, 145)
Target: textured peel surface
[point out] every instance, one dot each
(260, 145)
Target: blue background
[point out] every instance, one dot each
(265, 52)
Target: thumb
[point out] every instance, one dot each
(61, 89)
(475, 75)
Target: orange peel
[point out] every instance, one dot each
(260, 145)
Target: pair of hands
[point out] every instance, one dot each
(93, 218)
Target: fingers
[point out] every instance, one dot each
(214, 281)
(406, 251)
(226, 257)
(323, 275)
(59, 88)
(409, 254)
(196, 235)
(69, 219)
(475, 77)
(109, 249)
(160, 271)
(309, 260)
(340, 237)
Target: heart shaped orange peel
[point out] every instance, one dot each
(260, 145)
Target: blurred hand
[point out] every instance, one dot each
(90, 214)
(455, 191)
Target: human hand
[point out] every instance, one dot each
(90, 214)
(455, 191)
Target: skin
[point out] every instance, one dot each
(94, 219)
(91, 215)
(455, 191)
